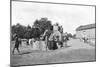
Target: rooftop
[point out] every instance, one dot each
(85, 27)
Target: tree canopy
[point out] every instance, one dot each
(38, 28)
(43, 24)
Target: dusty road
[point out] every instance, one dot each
(77, 51)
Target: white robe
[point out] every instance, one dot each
(42, 45)
(36, 45)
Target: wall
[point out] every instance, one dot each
(89, 33)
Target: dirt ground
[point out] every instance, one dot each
(76, 52)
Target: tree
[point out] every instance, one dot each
(35, 33)
(19, 30)
(28, 27)
(27, 34)
(43, 24)
(69, 35)
(74, 36)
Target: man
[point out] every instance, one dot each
(17, 43)
(84, 36)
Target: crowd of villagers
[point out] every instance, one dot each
(52, 39)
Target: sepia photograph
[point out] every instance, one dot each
(51, 33)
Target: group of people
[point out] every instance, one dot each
(54, 38)
(51, 39)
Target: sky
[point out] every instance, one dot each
(69, 16)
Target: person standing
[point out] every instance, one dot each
(16, 46)
(84, 36)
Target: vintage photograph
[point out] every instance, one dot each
(51, 33)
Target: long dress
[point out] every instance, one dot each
(42, 45)
(36, 45)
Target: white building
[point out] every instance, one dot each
(87, 31)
